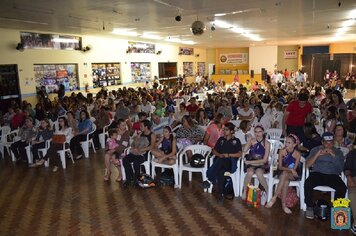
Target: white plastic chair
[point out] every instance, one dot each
(269, 176)
(175, 167)
(299, 184)
(13, 135)
(43, 151)
(235, 177)
(344, 150)
(55, 125)
(146, 164)
(5, 130)
(62, 155)
(89, 141)
(319, 129)
(184, 166)
(275, 134)
(29, 154)
(103, 135)
(236, 123)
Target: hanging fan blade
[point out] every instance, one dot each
(239, 12)
(168, 4)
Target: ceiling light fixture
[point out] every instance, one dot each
(237, 30)
(151, 36)
(124, 32)
(177, 40)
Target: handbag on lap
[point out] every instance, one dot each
(58, 138)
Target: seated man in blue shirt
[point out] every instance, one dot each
(328, 163)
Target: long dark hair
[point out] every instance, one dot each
(86, 115)
(218, 117)
(66, 125)
(170, 131)
(189, 120)
(309, 130)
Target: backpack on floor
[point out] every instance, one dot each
(146, 181)
(166, 178)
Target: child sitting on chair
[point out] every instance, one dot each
(288, 162)
(110, 153)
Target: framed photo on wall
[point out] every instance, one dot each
(188, 69)
(52, 75)
(105, 74)
(50, 41)
(140, 72)
(186, 51)
(201, 68)
(139, 47)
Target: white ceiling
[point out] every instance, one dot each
(278, 22)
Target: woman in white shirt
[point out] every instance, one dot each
(245, 133)
(278, 115)
(245, 112)
(261, 118)
(65, 130)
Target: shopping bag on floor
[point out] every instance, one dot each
(253, 196)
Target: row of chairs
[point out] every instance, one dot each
(8, 137)
(237, 177)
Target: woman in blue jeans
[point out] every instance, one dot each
(85, 126)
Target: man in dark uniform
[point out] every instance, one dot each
(227, 150)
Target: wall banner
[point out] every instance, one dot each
(290, 54)
(234, 58)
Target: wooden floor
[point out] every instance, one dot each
(78, 202)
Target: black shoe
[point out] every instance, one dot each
(126, 183)
(206, 184)
(220, 199)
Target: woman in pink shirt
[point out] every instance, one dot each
(214, 131)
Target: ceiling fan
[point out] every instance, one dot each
(168, 4)
(239, 12)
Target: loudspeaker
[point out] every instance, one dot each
(264, 74)
(252, 74)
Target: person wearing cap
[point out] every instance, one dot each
(328, 163)
(296, 115)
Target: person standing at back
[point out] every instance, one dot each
(295, 116)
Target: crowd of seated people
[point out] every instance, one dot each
(314, 123)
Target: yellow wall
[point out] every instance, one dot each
(103, 50)
(211, 56)
(342, 47)
(290, 64)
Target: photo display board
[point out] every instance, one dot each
(139, 47)
(140, 72)
(201, 68)
(52, 75)
(188, 68)
(105, 74)
(50, 41)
